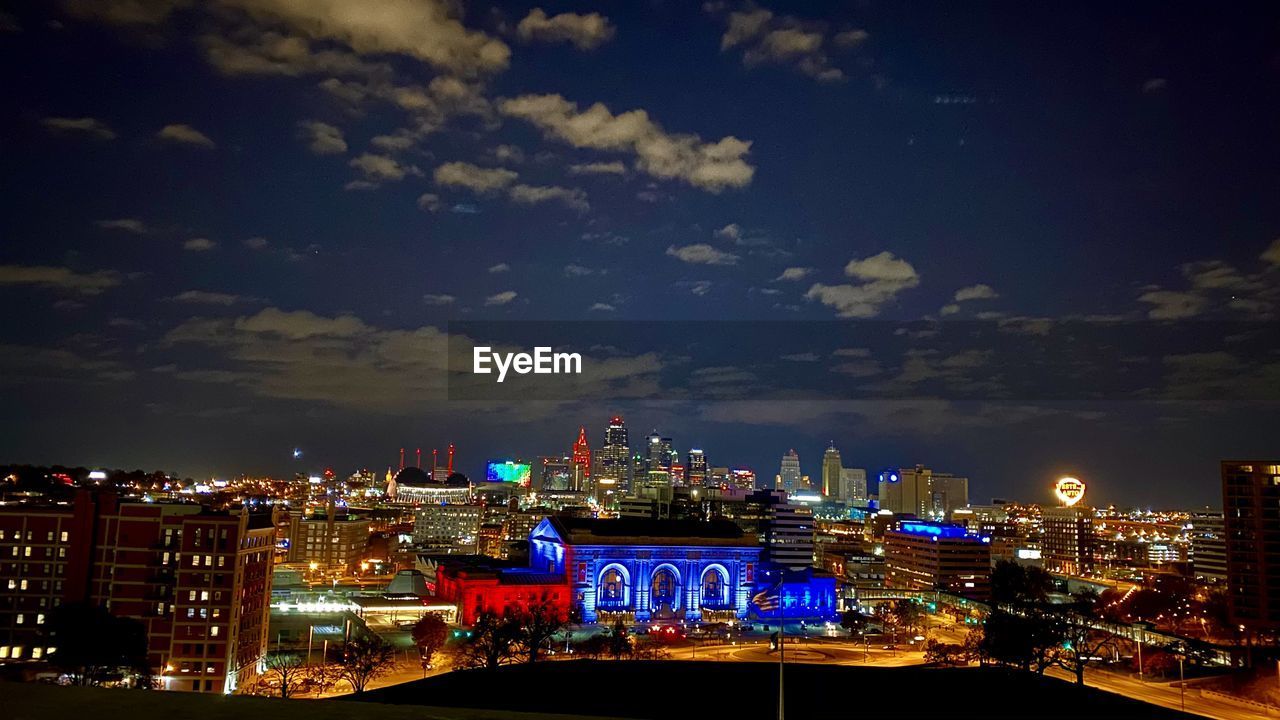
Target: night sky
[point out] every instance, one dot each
(232, 228)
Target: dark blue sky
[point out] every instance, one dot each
(235, 227)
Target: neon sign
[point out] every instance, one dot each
(1069, 491)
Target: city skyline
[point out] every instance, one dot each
(240, 227)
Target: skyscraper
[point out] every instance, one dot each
(659, 460)
(922, 492)
(581, 462)
(831, 471)
(853, 485)
(789, 473)
(613, 459)
(1250, 495)
(696, 468)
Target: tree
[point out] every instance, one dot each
(94, 645)
(492, 643)
(364, 659)
(593, 647)
(909, 615)
(1024, 641)
(651, 647)
(946, 654)
(284, 676)
(1019, 585)
(538, 623)
(619, 643)
(854, 621)
(429, 634)
(1080, 640)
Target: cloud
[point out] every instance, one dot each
(185, 134)
(207, 298)
(499, 268)
(382, 167)
(253, 51)
(87, 125)
(533, 194)
(59, 277)
(732, 231)
(697, 287)
(132, 225)
(586, 32)
(199, 245)
(429, 202)
(438, 299)
(1154, 85)
(423, 29)
(709, 166)
(765, 38)
(1272, 254)
(572, 270)
(702, 254)
(1171, 305)
(883, 276)
(323, 138)
(951, 309)
(256, 243)
(501, 298)
(976, 292)
(598, 168)
(474, 177)
(794, 273)
(508, 153)
(601, 307)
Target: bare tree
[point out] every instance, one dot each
(538, 623)
(493, 642)
(365, 659)
(284, 675)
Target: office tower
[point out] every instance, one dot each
(785, 529)
(331, 540)
(557, 474)
(581, 462)
(1209, 546)
(198, 580)
(448, 528)
(1069, 541)
(922, 492)
(789, 478)
(696, 468)
(613, 461)
(853, 485)
(1250, 497)
(658, 461)
(927, 556)
(831, 472)
(743, 479)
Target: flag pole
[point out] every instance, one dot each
(782, 659)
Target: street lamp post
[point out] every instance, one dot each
(1182, 685)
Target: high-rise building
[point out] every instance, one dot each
(613, 461)
(1209, 546)
(1250, 498)
(853, 485)
(557, 474)
(199, 581)
(789, 478)
(831, 468)
(1070, 541)
(331, 540)
(936, 556)
(581, 462)
(696, 468)
(785, 529)
(743, 479)
(922, 492)
(448, 528)
(658, 460)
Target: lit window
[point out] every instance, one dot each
(4, 652)
(40, 618)
(65, 536)
(191, 595)
(204, 594)
(214, 631)
(22, 585)
(36, 653)
(21, 618)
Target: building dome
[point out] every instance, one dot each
(412, 476)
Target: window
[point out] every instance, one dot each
(214, 631)
(21, 618)
(191, 596)
(204, 595)
(22, 585)
(39, 618)
(65, 536)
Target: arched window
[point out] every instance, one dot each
(715, 588)
(613, 591)
(664, 590)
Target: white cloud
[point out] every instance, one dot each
(533, 194)
(573, 270)
(429, 202)
(883, 276)
(710, 166)
(185, 134)
(87, 125)
(323, 138)
(59, 277)
(501, 298)
(424, 29)
(794, 273)
(976, 292)
(586, 32)
(132, 225)
(702, 254)
(598, 168)
(199, 245)
(473, 177)
(499, 268)
(438, 299)
(508, 153)
(765, 38)
(732, 231)
(382, 167)
(602, 307)
(1171, 305)
(256, 243)
(951, 309)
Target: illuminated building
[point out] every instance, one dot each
(581, 463)
(1069, 541)
(613, 461)
(743, 479)
(199, 581)
(1209, 546)
(920, 555)
(447, 528)
(411, 486)
(922, 492)
(332, 540)
(785, 529)
(658, 461)
(476, 585)
(696, 468)
(1250, 497)
(510, 472)
(557, 474)
(831, 468)
(789, 479)
(853, 485)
